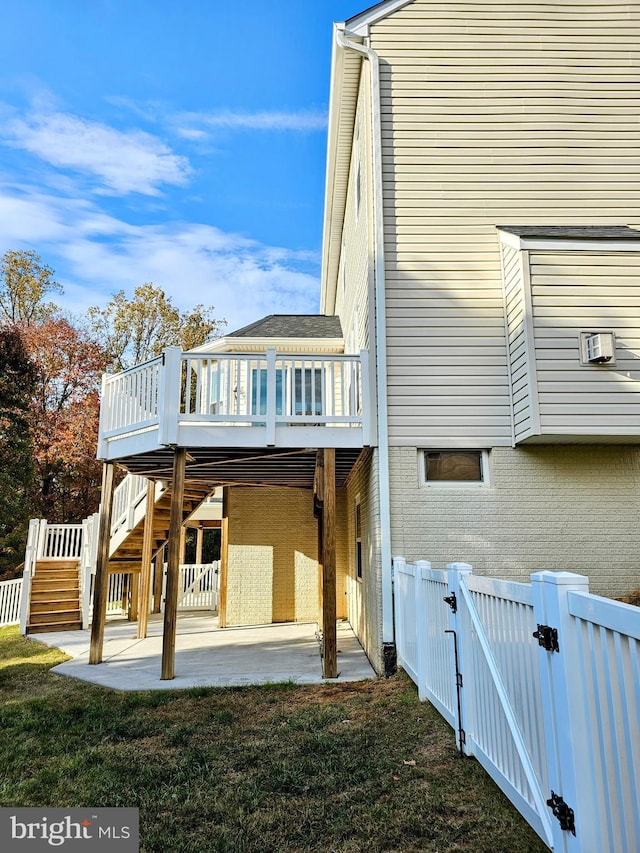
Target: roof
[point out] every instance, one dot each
(292, 326)
(573, 232)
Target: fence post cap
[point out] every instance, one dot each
(560, 578)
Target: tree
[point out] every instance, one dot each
(64, 413)
(24, 283)
(134, 330)
(17, 379)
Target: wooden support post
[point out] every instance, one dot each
(101, 581)
(329, 636)
(224, 560)
(173, 565)
(145, 570)
(199, 538)
(158, 573)
(134, 600)
(183, 544)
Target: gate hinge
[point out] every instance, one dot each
(562, 811)
(452, 602)
(547, 637)
(459, 679)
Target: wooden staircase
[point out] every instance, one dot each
(55, 587)
(129, 552)
(55, 597)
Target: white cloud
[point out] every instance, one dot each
(188, 124)
(123, 162)
(96, 254)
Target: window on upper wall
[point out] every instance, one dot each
(357, 521)
(454, 467)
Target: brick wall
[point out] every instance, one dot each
(561, 507)
(272, 573)
(365, 596)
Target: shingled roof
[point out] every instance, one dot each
(292, 326)
(573, 232)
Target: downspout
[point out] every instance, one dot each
(380, 332)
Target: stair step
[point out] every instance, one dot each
(54, 595)
(62, 605)
(48, 565)
(74, 625)
(44, 584)
(55, 618)
(54, 574)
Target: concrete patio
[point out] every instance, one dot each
(207, 656)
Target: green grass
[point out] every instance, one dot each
(274, 768)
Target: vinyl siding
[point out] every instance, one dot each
(492, 113)
(517, 301)
(586, 291)
(355, 272)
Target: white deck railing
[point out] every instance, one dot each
(10, 599)
(179, 391)
(545, 724)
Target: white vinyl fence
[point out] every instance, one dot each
(541, 683)
(10, 597)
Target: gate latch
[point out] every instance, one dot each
(562, 812)
(452, 601)
(547, 637)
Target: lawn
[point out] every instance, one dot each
(344, 767)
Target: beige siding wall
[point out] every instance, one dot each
(564, 507)
(492, 114)
(518, 341)
(354, 278)
(273, 573)
(364, 596)
(586, 291)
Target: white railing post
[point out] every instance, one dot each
(397, 564)
(169, 388)
(462, 709)
(566, 732)
(105, 405)
(29, 563)
(271, 398)
(131, 498)
(365, 399)
(422, 567)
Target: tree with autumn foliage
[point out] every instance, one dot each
(64, 413)
(25, 282)
(134, 330)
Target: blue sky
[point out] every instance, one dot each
(178, 143)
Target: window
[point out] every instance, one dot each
(308, 390)
(358, 540)
(455, 466)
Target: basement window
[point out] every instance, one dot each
(454, 467)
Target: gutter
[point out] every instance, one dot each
(380, 332)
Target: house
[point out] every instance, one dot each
(482, 187)
(470, 390)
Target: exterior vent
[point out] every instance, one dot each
(597, 347)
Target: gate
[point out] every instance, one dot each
(544, 692)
